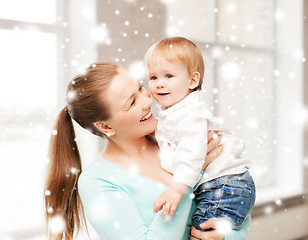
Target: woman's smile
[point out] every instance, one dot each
(146, 117)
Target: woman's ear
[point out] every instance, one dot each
(104, 128)
(194, 80)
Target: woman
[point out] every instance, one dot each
(119, 188)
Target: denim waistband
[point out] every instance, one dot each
(234, 179)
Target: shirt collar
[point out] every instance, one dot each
(192, 97)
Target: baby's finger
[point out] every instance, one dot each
(158, 205)
(166, 210)
(172, 209)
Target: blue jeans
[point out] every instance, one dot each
(229, 197)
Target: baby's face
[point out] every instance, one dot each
(169, 82)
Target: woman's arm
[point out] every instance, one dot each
(220, 234)
(114, 214)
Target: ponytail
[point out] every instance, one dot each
(85, 106)
(61, 190)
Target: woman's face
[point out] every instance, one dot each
(130, 107)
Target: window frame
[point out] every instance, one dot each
(273, 53)
(60, 30)
(216, 43)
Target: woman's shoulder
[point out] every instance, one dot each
(98, 172)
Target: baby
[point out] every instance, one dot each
(225, 190)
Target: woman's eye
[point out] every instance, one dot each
(169, 76)
(153, 78)
(140, 87)
(133, 103)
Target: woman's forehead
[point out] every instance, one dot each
(121, 87)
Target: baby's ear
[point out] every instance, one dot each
(194, 80)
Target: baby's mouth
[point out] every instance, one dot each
(162, 94)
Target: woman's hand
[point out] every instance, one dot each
(207, 235)
(213, 147)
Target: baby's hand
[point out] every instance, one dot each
(170, 199)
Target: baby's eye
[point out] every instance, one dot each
(153, 78)
(169, 76)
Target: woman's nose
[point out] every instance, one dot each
(147, 102)
(146, 99)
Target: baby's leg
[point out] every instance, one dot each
(229, 197)
(205, 207)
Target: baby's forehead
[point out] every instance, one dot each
(161, 60)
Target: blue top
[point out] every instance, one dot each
(119, 205)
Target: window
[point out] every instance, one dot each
(31, 67)
(253, 80)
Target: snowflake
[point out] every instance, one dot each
(99, 34)
(71, 96)
(57, 225)
(217, 52)
(279, 15)
(116, 225)
(74, 170)
(252, 123)
(268, 210)
(133, 169)
(50, 210)
(224, 226)
(231, 7)
(231, 71)
(278, 202)
(137, 70)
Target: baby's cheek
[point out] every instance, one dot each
(151, 87)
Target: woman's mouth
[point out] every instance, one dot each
(146, 117)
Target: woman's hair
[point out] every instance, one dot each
(85, 105)
(177, 49)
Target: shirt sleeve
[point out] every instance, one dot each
(191, 149)
(114, 215)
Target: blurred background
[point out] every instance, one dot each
(256, 79)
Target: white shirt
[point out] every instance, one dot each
(182, 137)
